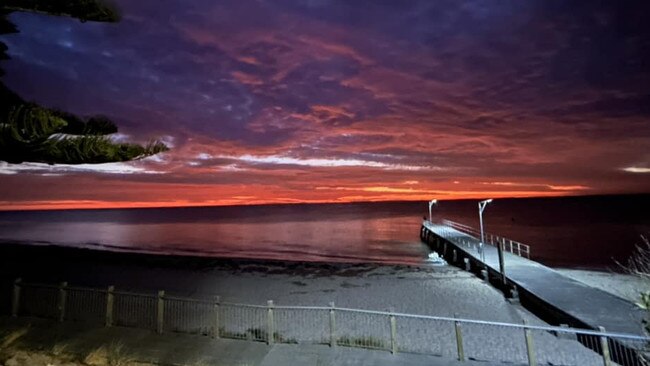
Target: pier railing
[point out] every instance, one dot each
(451, 337)
(509, 245)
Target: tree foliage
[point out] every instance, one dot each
(84, 10)
(36, 134)
(32, 133)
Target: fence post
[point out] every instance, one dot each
(459, 339)
(532, 361)
(269, 335)
(393, 333)
(62, 296)
(332, 325)
(15, 297)
(160, 312)
(110, 299)
(216, 331)
(604, 345)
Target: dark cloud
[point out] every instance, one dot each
(546, 91)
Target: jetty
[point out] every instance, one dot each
(555, 298)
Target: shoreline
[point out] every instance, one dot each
(46, 255)
(111, 254)
(417, 289)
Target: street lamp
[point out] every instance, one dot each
(481, 207)
(431, 203)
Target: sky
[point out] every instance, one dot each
(338, 101)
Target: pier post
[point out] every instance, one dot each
(15, 298)
(467, 264)
(160, 312)
(604, 345)
(216, 332)
(393, 333)
(514, 294)
(454, 256)
(62, 298)
(502, 266)
(532, 361)
(485, 275)
(459, 339)
(332, 325)
(110, 299)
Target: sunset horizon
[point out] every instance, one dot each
(96, 205)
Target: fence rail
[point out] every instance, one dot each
(450, 337)
(509, 245)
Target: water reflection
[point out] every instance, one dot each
(572, 231)
(388, 239)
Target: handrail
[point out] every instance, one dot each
(567, 330)
(515, 247)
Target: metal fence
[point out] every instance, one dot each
(509, 245)
(462, 339)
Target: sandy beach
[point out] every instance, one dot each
(623, 285)
(423, 290)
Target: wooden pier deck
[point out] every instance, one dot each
(552, 296)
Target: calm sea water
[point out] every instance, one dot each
(576, 231)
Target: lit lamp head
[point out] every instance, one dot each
(431, 203)
(482, 204)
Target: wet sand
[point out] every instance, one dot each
(422, 289)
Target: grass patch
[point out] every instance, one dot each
(362, 342)
(60, 349)
(232, 334)
(256, 334)
(112, 355)
(11, 337)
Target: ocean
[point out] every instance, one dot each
(583, 232)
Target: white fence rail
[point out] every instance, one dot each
(509, 245)
(450, 337)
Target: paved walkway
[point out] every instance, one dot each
(589, 305)
(181, 349)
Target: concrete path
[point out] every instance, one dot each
(181, 349)
(589, 305)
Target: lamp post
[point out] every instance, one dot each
(431, 203)
(481, 207)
